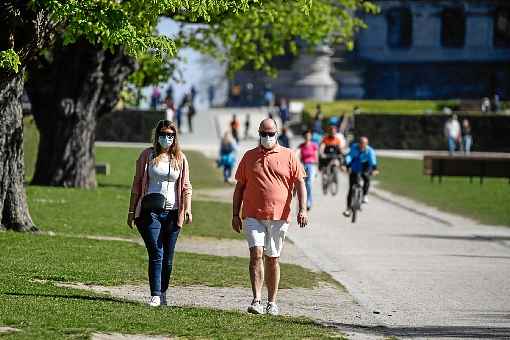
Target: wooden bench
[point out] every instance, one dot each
(476, 164)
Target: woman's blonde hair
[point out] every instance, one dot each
(174, 152)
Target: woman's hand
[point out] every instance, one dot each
(130, 219)
(237, 224)
(188, 217)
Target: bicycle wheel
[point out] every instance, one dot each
(325, 180)
(333, 186)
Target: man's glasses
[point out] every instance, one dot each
(266, 134)
(166, 134)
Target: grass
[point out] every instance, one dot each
(339, 107)
(44, 311)
(488, 203)
(72, 259)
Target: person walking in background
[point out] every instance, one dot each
(227, 159)
(284, 111)
(467, 138)
(453, 133)
(155, 98)
(210, 94)
(308, 152)
(170, 109)
(160, 204)
(268, 96)
(266, 178)
(283, 138)
(191, 113)
(235, 127)
(170, 92)
(192, 94)
(247, 124)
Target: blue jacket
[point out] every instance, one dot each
(360, 161)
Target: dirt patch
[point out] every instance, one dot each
(4, 329)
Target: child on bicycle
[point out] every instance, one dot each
(362, 162)
(330, 148)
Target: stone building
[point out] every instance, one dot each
(423, 49)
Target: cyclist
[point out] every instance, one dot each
(330, 148)
(362, 161)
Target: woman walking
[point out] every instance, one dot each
(227, 159)
(160, 203)
(309, 153)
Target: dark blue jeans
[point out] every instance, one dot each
(159, 232)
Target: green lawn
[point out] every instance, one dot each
(339, 107)
(488, 203)
(44, 311)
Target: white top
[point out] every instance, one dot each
(162, 180)
(452, 129)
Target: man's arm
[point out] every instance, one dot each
(236, 207)
(302, 217)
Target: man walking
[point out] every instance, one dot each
(266, 177)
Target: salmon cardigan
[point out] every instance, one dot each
(141, 184)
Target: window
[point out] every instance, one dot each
(502, 27)
(453, 27)
(400, 27)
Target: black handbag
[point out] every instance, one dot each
(153, 202)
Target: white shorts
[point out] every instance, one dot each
(266, 233)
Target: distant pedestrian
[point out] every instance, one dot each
(170, 92)
(453, 133)
(309, 157)
(170, 109)
(283, 138)
(485, 106)
(210, 94)
(227, 158)
(247, 124)
(193, 94)
(284, 111)
(191, 113)
(235, 128)
(268, 96)
(266, 178)
(155, 98)
(467, 138)
(160, 204)
(496, 103)
(317, 121)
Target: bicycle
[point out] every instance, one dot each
(356, 198)
(330, 176)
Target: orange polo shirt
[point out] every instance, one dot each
(269, 177)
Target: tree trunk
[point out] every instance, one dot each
(13, 200)
(67, 94)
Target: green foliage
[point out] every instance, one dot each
(252, 38)
(488, 203)
(9, 60)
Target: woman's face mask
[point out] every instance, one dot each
(165, 141)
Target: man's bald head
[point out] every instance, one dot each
(363, 142)
(268, 125)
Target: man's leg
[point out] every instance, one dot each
(272, 271)
(366, 183)
(256, 272)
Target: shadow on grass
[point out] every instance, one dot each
(112, 185)
(429, 332)
(74, 297)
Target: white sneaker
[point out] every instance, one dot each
(272, 309)
(155, 301)
(256, 307)
(347, 213)
(365, 199)
(163, 299)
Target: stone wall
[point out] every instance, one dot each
(128, 126)
(425, 132)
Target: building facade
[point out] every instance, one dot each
(416, 49)
(430, 49)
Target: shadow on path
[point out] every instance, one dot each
(73, 297)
